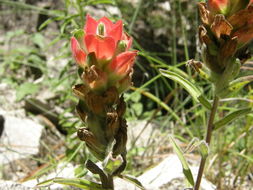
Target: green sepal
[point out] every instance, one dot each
(78, 33)
(222, 81)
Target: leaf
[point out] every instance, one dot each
(44, 24)
(39, 40)
(26, 89)
(193, 90)
(138, 108)
(186, 169)
(136, 97)
(162, 104)
(80, 171)
(231, 117)
(132, 180)
(239, 83)
(112, 164)
(248, 158)
(94, 2)
(79, 183)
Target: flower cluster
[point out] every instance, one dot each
(101, 50)
(227, 29)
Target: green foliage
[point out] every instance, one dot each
(25, 89)
(79, 183)
(165, 91)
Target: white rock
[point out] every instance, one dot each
(140, 132)
(10, 185)
(64, 170)
(165, 6)
(20, 138)
(121, 184)
(166, 171)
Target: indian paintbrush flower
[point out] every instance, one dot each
(102, 52)
(227, 29)
(103, 44)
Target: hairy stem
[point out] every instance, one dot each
(208, 140)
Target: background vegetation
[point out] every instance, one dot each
(36, 64)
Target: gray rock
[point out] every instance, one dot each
(20, 138)
(140, 133)
(170, 169)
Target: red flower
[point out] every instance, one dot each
(100, 37)
(108, 46)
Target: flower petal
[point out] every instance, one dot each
(104, 48)
(116, 31)
(77, 52)
(123, 62)
(91, 25)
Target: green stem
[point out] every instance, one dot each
(208, 140)
(106, 179)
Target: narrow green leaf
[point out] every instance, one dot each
(248, 158)
(79, 183)
(94, 2)
(193, 90)
(162, 104)
(239, 83)
(44, 24)
(204, 102)
(232, 116)
(132, 180)
(186, 169)
(45, 183)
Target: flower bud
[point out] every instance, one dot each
(121, 47)
(101, 29)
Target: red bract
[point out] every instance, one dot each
(122, 63)
(77, 52)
